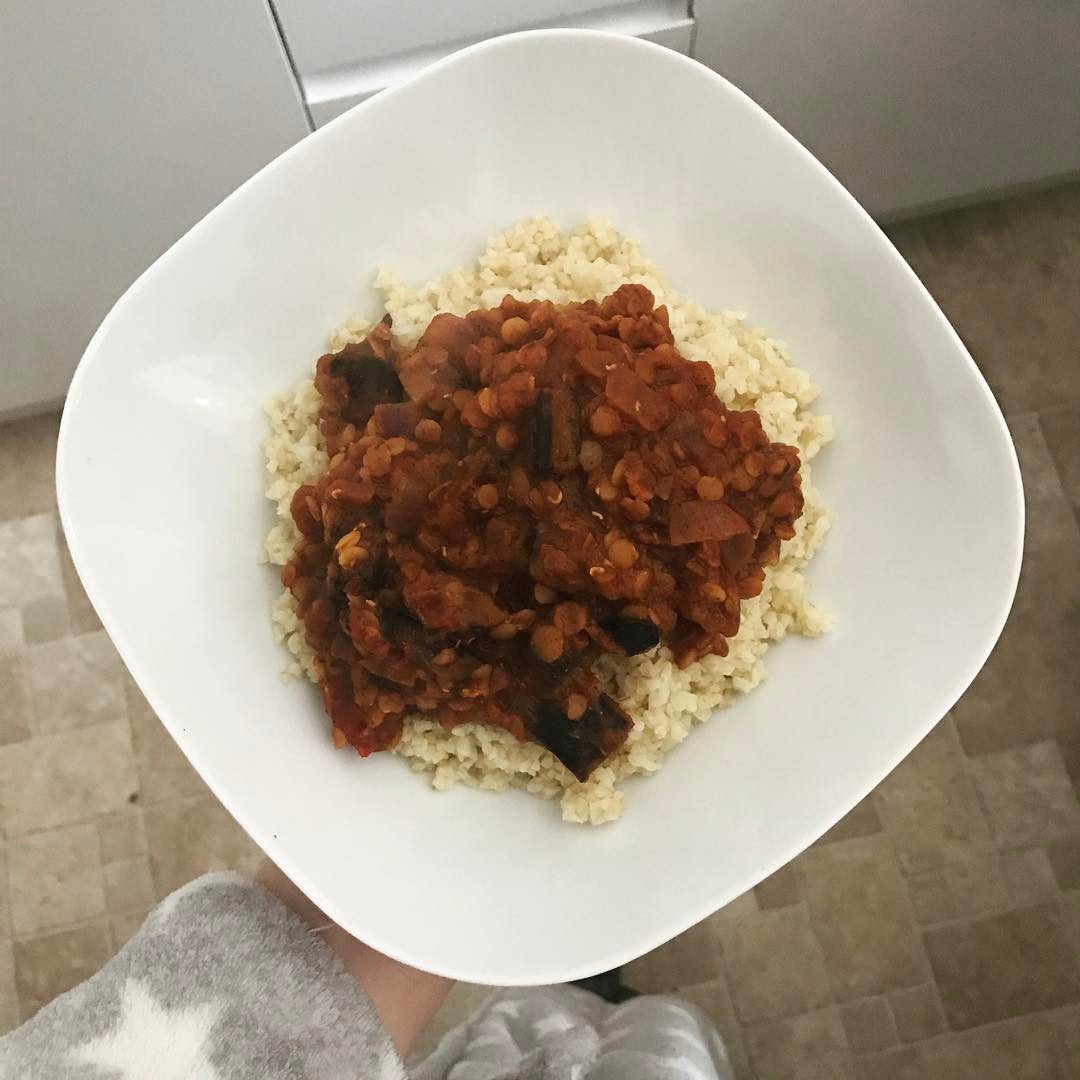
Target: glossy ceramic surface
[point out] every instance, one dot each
(160, 484)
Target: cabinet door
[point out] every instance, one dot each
(347, 50)
(910, 102)
(121, 123)
(327, 34)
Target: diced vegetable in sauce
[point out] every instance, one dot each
(528, 488)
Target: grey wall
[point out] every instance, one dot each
(911, 103)
(121, 123)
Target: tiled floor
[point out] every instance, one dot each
(934, 933)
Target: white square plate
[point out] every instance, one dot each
(160, 485)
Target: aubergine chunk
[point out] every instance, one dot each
(631, 635)
(584, 743)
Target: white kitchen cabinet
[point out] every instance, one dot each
(328, 34)
(911, 103)
(121, 123)
(124, 121)
(346, 50)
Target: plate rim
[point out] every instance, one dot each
(663, 930)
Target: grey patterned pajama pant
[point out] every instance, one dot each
(223, 982)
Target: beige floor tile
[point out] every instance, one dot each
(907, 237)
(917, 1012)
(713, 998)
(929, 807)
(1070, 915)
(1003, 965)
(27, 456)
(1029, 877)
(1026, 350)
(869, 1025)
(861, 820)
(692, 957)
(81, 613)
(1062, 431)
(779, 890)
(1050, 519)
(9, 998)
(12, 642)
(1066, 1022)
(122, 834)
(967, 887)
(76, 681)
(188, 837)
(15, 704)
(1027, 794)
(5, 909)
(1045, 220)
(1064, 854)
(774, 965)
(29, 560)
(901, 1063)
(53, 780)
(931, 898)
(52, 964)
(808, 1047)
(45, 619)
(124, 927)
(977, 884)
(55, 879)
(1028, 1048)
(1068, 744)
(164, 771)
(129, 885)
(734, 909)
(1039, 225)
(962, 239)
(860, 911)
(1030, 686)
(9, 1016)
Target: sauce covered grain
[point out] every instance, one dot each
(526, 489)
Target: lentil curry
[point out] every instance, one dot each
(528, 488)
